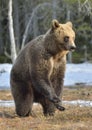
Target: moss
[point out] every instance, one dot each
(4, 59)
(77, 57)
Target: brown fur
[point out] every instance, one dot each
(38, 72)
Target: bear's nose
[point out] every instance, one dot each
(72, 48)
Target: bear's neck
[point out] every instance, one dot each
(51, 47)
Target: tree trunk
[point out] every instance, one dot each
(1, 42)
(35, 26)
(16, 24)
(54, 9)
(30, 21)
(70, 53)
(11, 31)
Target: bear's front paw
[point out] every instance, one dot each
(55, 99)
(59, 107)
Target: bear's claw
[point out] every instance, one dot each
(60, 108)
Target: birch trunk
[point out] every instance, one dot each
(70, 53)
(54, 15)
(1, 41)
(16, 24)
(30, 21)
(11, 31)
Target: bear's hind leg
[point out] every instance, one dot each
(23, 97)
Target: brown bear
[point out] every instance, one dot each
(38, 72)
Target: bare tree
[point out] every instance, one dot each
(85, 7)
(54, 9)
(1, 42)
(13, 54)
(68, 19)
(33, 15)
(16, 24)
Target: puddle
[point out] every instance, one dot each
(80, 103)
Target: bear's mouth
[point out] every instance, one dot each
(68, 47)
(72, 48)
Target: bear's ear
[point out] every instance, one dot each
(55, 24)
(69, 24)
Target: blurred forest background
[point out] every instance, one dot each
(31, 18)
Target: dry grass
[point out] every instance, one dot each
(5, 95)
(70, 93)
(78, 92)
(73, 118)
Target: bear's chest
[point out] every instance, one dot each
(55, 64)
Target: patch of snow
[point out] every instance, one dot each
(5, 75)
(5, 67)
(75, 73)
(78, 73)
(9, 103)
(80, 103)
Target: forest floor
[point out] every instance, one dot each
(73, 118)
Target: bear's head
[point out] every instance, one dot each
(64, 35)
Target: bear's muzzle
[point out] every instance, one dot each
(72, 48)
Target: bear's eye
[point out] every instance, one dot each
(66, 39)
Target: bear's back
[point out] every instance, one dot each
(20, 68)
